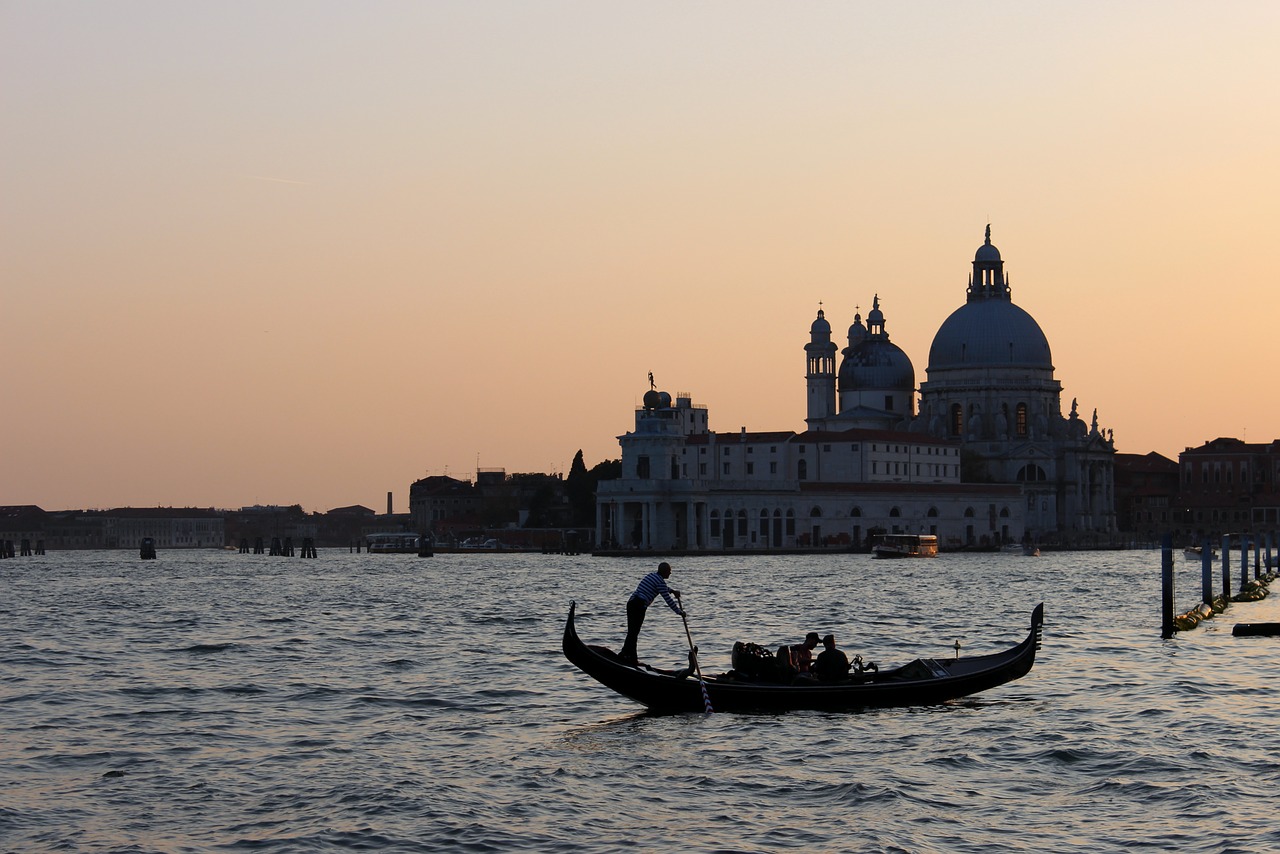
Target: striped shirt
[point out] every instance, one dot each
(649, 588)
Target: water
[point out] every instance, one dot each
(222, 702)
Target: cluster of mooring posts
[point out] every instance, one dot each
(25, 548)
(279, 547)
(1251, 588)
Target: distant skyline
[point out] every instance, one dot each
(310, 252)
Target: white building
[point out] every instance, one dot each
(989, 458)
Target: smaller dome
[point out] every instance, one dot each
(877, 363)
(820, 325)
(664, 400)
(652, 399)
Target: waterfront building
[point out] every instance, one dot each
(988, 458)
(1229, 486)
(1146, 494)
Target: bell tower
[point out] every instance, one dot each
(820, 374)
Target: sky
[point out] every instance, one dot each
(309, 252)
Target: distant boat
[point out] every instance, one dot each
(393, 544)
(905, 545)
(1030, 550)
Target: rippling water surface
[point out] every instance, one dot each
(215, 701)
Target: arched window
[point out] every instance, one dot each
(715, 523)
(742, 523)
(1020, 419)
(894, 513)
(1004, 512)
(968, 512)
(933, 513)
(791, 523)
(816, 512)
(855, 512)
(957, 419)
(1031, 473)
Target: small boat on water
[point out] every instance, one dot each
(905, 545)
(923, 681)
(395, 544)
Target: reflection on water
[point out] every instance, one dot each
(223, 701)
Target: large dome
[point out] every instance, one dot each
(990, 333)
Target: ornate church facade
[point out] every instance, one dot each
(986, 458)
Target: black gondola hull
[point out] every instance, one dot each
(667, 692)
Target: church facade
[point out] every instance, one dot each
(986, 458)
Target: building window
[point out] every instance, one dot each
(773, 468)
(702, 469)
(751, 468)
(1020, 419)
(957, 419)
(642, 468)
(726, 468)
(888, 402)
(802, 470)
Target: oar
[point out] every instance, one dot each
(693, 653)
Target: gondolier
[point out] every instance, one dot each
(646, 591)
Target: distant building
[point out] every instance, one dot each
(988, 459)
(1146, 494)
(452, 509)
(267, 522)
(19, 522)
(1229, 486)
(439, 503)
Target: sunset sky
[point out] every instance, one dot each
(308, 252)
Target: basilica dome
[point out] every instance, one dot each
(989, 331)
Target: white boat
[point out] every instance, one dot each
(393, 544)
(905, 545)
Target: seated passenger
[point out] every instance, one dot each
(802, 654)
(832, 664)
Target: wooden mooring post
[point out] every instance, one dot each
(1206, 571)
(1226, 567)
(1166, 587)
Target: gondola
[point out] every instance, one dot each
(924, 681)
